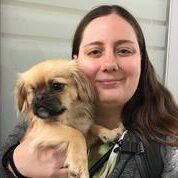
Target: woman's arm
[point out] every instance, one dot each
(12, 139)
(28, 163)
(170, 159)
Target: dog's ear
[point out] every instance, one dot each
(85, 89)
(21, 95)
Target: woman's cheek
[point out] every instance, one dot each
(88, 69)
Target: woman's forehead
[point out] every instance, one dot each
(110, 27)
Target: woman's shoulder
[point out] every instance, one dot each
(17, 133)
(170, 159)
(14, 136)
(12, 139)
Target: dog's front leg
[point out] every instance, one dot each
(77, 160)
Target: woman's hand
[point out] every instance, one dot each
(46, 164)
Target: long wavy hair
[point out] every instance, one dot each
(151, 112)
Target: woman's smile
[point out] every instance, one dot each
(108, 83)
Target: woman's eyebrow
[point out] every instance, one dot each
(99, 43)
(119, 42)
(94, 43)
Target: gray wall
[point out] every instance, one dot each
(171, 79)
(34, 30)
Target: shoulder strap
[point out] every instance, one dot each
(142, 166)
(100, 162)
(154, 158)
(147, 157)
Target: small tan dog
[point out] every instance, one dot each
(58, 101)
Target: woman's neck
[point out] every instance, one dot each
(109, 117)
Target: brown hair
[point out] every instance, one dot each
(151, 112)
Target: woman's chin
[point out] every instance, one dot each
(111, 102)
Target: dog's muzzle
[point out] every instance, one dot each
(47, 107)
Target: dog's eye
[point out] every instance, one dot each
(32, 88)
(58, 86)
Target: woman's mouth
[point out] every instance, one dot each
(109, 83)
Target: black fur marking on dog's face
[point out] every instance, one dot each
(47, 106)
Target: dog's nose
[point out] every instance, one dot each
(40, 96)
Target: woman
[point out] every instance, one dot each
(110, 48)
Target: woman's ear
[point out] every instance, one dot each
(75, 57)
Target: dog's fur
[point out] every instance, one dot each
(58, 101)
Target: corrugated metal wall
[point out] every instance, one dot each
(34, 30)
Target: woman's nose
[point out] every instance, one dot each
(109, 64)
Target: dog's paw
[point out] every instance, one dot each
(77, 169)
(107, 135)
(72, 173)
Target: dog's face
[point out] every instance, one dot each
(51, 88)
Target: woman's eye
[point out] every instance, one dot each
(94, 53)
(57, 86)
(125, 52)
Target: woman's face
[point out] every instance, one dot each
(109, 54)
